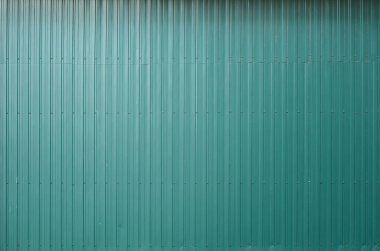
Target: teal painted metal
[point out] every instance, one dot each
(189, 124)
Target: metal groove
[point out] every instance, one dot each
(222, 124)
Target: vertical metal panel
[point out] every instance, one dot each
(189, 124)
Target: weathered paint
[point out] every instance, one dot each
(189, 124)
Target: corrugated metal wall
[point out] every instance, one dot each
(189, 124)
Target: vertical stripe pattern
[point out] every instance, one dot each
(167, 124)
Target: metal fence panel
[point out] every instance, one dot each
(196, 124)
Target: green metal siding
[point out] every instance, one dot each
(189, 125)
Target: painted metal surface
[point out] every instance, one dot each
(189, 124)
